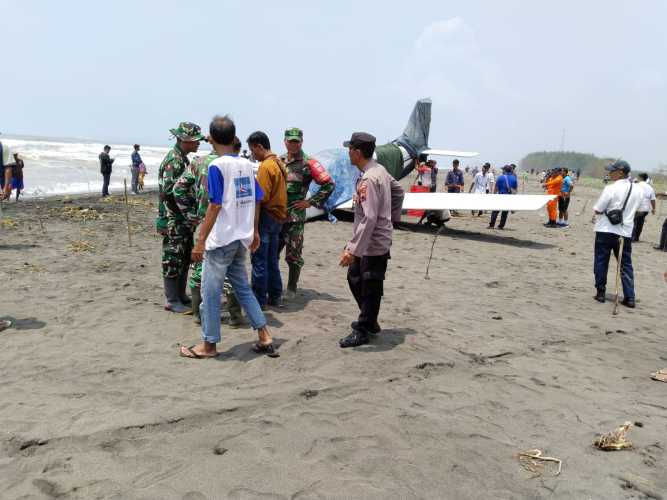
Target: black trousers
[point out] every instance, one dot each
(503, 218)
(663, 237)
(365, 277)
(640, 217)
(605, 245)
(105, 184)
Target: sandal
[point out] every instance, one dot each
(267, 349)
(192, 354)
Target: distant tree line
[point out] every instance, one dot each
(588, 164)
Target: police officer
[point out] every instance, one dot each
(301, 170)
(171, 222)
(377, 204)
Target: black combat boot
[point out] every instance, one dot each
(600, 295)
(293, 280)
(196, 302)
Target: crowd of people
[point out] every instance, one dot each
(214, 210)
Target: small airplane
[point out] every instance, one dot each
(400, 157)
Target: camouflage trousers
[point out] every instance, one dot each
(176, 250)
(291, 238)
(233, 305)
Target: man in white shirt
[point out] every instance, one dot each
(647, 204)
(480, 184)
(622, 196)
(229, 229)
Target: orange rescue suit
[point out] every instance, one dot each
(553, 185)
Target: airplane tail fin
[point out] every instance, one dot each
(415, 135)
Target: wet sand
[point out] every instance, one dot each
(501, 350)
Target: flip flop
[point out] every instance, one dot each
(4, 324)
(193, 355)
(267, 349)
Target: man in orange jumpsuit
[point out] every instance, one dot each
(553, 185)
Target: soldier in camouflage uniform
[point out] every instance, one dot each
(177, 234)
(301, 170)
(191, 196)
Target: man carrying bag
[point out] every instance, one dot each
(615, 213)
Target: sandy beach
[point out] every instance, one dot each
(502, 350)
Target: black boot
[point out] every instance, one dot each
(234, 309)
(374, 330)
(182, 287)
(196, 302)
(173, 303)
(600, 295)
(293, 280)
(354, 339)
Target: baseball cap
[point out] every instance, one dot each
(619, 165)
(359, 139)
(294, 134)
(188, 131)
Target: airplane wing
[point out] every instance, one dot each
(465, 201)
(447, 152)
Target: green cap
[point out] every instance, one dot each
(188, 131)
(294, 134)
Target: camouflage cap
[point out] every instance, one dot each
(294, 134)
(188, 131)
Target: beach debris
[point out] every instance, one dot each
(33, 268)
(309, 393)
(80, 213)
(614, 440)
(8, 223)
(533, 462)
(81, 246)
(219, 450)
(660, 375)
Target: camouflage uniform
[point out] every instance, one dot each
(171, 222)
(191, 195)
(300, 172)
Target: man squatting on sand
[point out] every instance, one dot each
(301, 170)
(377, 204)
(229, 229)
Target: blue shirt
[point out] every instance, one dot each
(506, 183)
(136, 159)
(216, 186)
(454, 177)
(567, 184)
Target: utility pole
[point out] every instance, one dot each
(562, 141)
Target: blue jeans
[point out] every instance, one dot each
(265, 267)
(227, 261)
(605, 244)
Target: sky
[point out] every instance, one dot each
(506, 77)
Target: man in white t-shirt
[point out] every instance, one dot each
(621, 195)
(647, 205)
(480, 184)
(229, 229)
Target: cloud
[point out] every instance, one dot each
(447, 63)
